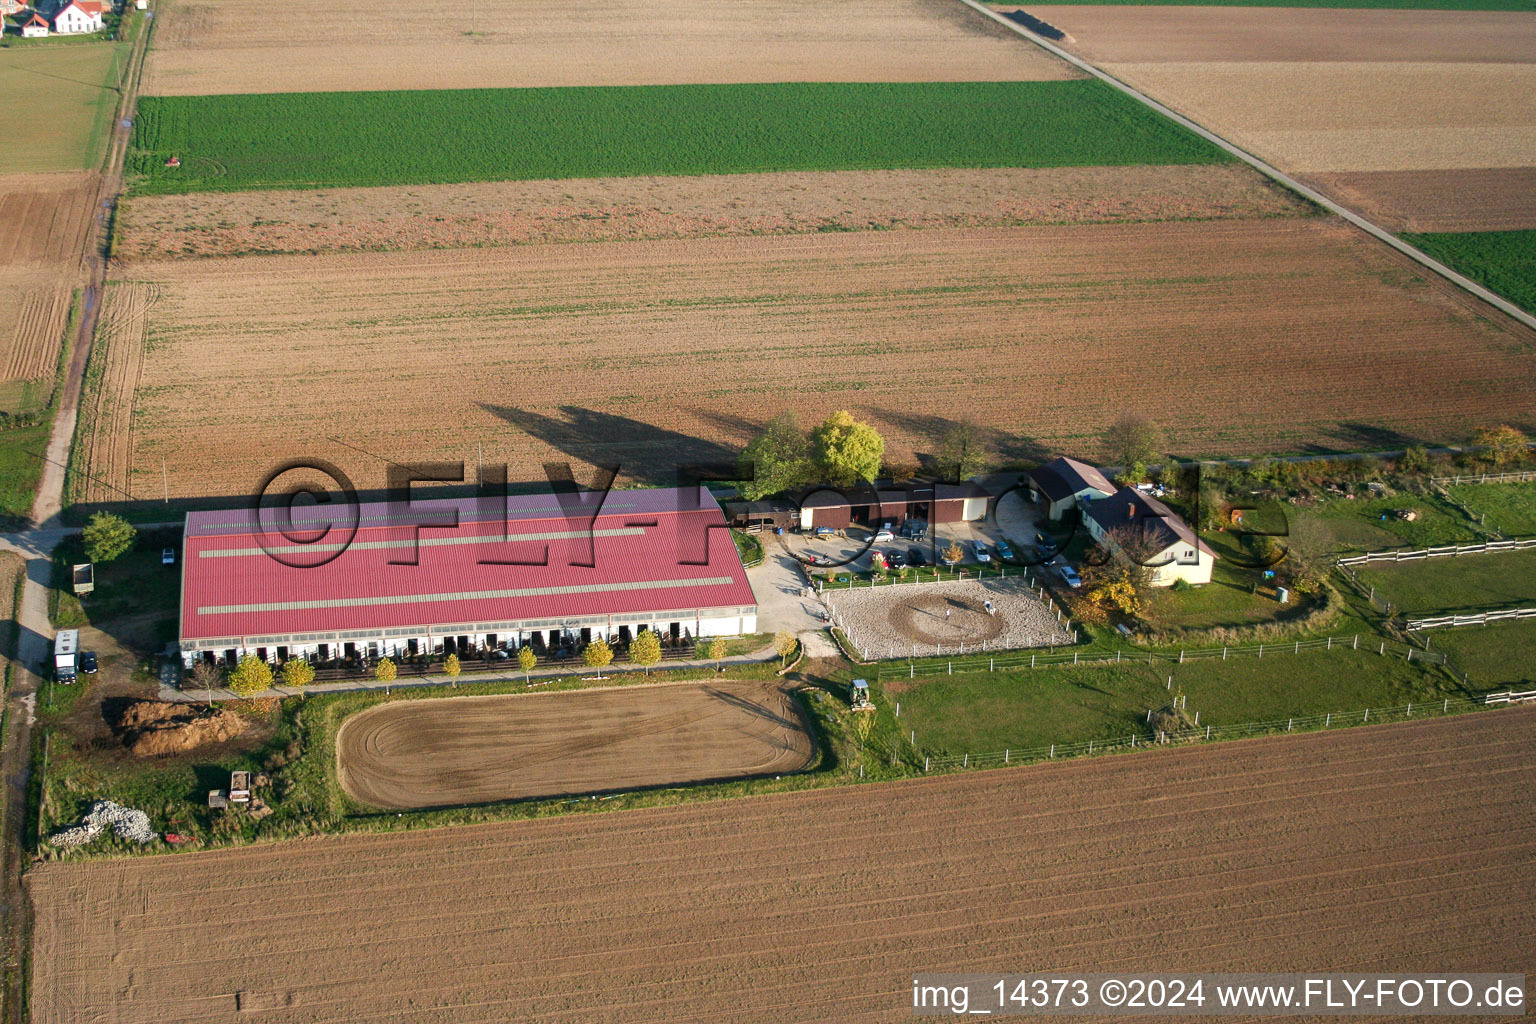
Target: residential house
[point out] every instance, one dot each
(31, 25)
(79, 16)
(1174, 551)
(1065, 484)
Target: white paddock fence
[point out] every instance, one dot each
(1519, 476)
(1446, 551)
(1152, 738)
(1474, 619)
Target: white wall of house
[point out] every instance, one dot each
(34, 32)
(72, 20)
(1179, 561)
(973, 509)
(1087, 495)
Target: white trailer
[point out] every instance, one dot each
(66, 655)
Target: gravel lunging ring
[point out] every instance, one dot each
(945, 619)
(902, 620)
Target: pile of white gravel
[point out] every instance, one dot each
(126, 822)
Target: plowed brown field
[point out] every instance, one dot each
(470, 750)
(104, 434)
(1240, 335)
(43, 222)
(1158, 33)
(1501, 199)
(1396, 848)
(315, 45)
(1355, 100)
(610, 209)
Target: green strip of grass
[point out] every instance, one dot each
(1502, 261)
(309, 140)
(1494, 657)
(1460, 583)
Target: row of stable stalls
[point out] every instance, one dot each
(675, 628)
(923, 502)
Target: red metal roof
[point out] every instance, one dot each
(641, 552)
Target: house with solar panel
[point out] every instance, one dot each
(464, 575)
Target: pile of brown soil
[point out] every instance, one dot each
(151, 728)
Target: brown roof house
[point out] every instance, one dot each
(1065, 484)
(1173, 550)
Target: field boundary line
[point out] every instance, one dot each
(1270, 171)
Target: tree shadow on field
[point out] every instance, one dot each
(1363, 437)
(644, 453)
(1002, 446)
(752, 708)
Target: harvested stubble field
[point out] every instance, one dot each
(613, 209)
(469, 750)
(202, 48)
(1491, 199)
(1249, 335)
(104, 431)
(43, 222)
(1390, 848)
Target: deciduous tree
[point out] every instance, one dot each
(451, 666)
(1134, 439)
(206, 675)
(846, 450)
(715, 651)
(645, 649)
(107, 536)
(250, 677)
(963, 452)
(785, 643)
(777, 460)
(1503, 444)
(597, 654)
(298, 672)
(384, 671)
(526, 659)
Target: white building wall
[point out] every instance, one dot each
(72, 20)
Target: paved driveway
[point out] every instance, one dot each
(780, 587)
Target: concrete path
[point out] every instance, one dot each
(783, 600)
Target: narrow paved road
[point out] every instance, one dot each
(35, 633)
(1269, 170)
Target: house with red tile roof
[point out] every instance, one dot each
(79, 16)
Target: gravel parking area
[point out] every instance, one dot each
(932, 618)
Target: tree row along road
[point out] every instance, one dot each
(1270, 171)
(36, 545)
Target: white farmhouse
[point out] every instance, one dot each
(1172, 551)
(78, 16)
(32, 25)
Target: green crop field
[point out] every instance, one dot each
(301, 140)
(1461, 583)
(1502, 261)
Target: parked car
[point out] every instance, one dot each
(825, 531)
(884, 535)
(1004, 551)
(981, 552)
(88, 662)
(895, 560)
(168, 556)
(915, 556)
(1069, 576)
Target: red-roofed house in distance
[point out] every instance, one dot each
(78, 16)
(544, 569)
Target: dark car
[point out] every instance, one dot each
(895, 560)
(915, 556)
(88, 661)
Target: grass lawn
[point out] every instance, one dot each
(20, 468)
(1501, 261)
(1463, 583)
(1510, 508)
(58, 105)
(132, 586)
(1494, 657)
(1311, 683)
(992, 711)
(1359, 525)
(303, 140)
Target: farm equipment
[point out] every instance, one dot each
(84, 578)
(859, 696)
(239, 787)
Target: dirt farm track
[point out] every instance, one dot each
(1395, 848)
(470, 750)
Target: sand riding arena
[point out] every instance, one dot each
(472, 750)
(903, 620)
